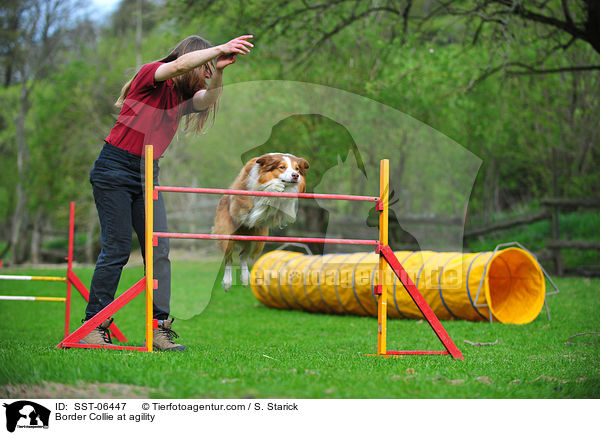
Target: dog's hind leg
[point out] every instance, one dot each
(245, 273)
(227, 274)
(251, 252)
(244, 255)
(227, 248)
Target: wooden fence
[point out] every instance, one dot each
(554, 244)
(314, 221)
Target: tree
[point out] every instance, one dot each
(313, 25)
(34, 31)
(557, 26)
(432, 60)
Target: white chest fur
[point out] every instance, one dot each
(270, 211)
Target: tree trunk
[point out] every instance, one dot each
(592, 31)
(36, 237)
(490, 189)
(17, 238)
(138, 34)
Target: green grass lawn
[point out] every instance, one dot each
(240, 349)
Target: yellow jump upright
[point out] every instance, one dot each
(382, 287)
(149, 196)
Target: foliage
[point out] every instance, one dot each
(430, 70)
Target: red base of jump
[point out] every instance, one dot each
(423, 306)
(417, 352)
(73, 339)
(401, 353)
(106, 346)
(115, 332)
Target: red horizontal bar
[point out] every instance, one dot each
(104, 346)
(262, 193)
(266, 238)
(417, 352)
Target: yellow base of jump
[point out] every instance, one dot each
(506, 286)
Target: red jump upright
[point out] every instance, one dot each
(71, 280)
(70, 340)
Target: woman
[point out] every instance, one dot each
(152, 104)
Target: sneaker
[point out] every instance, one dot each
(162, 337)
(100, 335)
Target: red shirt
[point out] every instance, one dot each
(149, 114)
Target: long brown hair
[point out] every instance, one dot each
(186, 84)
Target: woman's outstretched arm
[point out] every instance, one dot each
(188, 61)
(205, 98)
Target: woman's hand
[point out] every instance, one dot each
(239, 45)
(225, 60)
(230, 50)
(188, 61)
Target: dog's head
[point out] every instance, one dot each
(286, 167)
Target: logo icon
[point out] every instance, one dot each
(26, 414)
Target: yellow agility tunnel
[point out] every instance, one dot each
(506, 285)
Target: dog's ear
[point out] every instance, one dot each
(248, 166)
(303, 163)
(263, 160)
(268, 162)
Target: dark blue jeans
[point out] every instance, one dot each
(118, 185)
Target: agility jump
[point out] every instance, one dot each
(386, 257)
(70, 279)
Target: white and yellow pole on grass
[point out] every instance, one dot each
(32, 278)
(384, 189)
(149, 194)
(32, 298)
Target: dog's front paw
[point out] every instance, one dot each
(276, 186)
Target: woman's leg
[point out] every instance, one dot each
(162, 264)
(114, 211)
(162, 335)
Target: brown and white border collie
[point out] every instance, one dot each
(254, 215)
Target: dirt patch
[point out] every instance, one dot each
(52, 390)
